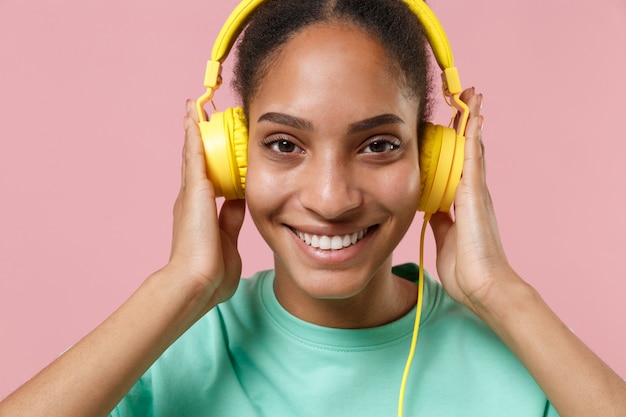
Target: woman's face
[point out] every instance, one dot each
(333, 176)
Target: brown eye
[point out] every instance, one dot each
(285, 146)
(379, 146)
(282, 146)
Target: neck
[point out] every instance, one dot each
(385, 298)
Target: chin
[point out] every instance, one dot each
(330, 284)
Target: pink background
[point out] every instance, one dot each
(91, 105)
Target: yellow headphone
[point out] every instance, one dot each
(225, 136)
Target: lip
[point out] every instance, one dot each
(332, 256)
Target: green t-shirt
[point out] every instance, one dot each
(250, 357)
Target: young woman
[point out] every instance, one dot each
(335, 93)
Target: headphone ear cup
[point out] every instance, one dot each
(225, 140)
(441, 154)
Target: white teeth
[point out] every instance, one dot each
(331, 242)
(336, 242)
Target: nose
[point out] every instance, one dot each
(330, 187)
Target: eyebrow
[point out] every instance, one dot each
(356, 127)
(285, 119)
(373, 122)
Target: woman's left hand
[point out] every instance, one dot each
(474, 271)
(470, 257)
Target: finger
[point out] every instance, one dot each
(192, 111)
(474, 103)
(231, 218)
(188, 109)
(182, 165)
(474, 163)
(440, 223)
(466, 97)
(194, 163)
(190, 106)
(467, 93)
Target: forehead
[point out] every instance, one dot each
(335, 67)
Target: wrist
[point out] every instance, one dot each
(503, 301)
(188, 298)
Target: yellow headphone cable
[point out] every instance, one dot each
(418, 315)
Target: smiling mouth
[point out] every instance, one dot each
(336, 242)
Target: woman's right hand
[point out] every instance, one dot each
(204, 245)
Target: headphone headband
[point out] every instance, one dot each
(434, 33)
(232, 28)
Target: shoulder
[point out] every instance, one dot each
(460, 356)
(199, 365)
(241, 313)
(458, 332)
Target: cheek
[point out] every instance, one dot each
(265, 188)
(400, 188)
(258, 197)
(256, 181)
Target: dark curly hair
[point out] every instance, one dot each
(391, 22)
